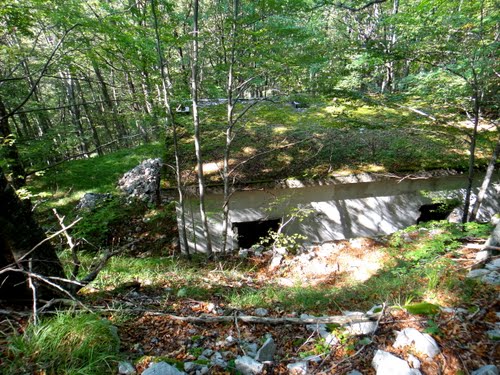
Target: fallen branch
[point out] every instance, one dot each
(341, 319)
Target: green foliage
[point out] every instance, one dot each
(422, 308)
(69, 343)
(96, 225)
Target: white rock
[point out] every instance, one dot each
(359, 329)
(248, 366)
(475, 274)
(126, 368)
(482, 255)
(162, 368)
(330, 338)
(281, 250)
(486, 370)
(492, 278)
(494, 265)
(275, 262)
(422, 342)
(299, 368)
(388, 364)
(413, 361)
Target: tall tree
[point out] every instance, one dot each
(195, 81)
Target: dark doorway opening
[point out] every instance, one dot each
(251, 232)
(435, 211)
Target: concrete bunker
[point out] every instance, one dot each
(343, 207)
(251, 233)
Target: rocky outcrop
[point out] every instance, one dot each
(142, 182)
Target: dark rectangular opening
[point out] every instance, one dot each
(251, 232)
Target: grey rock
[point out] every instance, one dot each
(207, 353)
(142, 182)
(126, 368)
(493, 334)
(243, 253)
(90, 200)
(203, 370)
(453, 310)
(250, 349)
(422, 342)
(191, 366)
(218, 360)
(313, 358)
(267, 350)
(261, 312)
(486, 370)
(386, 363)
(475, 274)
(494, 265)
(248, 366)
(354, 372)
(298, 368)
(162, 368)
(492, 278)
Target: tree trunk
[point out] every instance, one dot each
(121, 131)
(93, 128)
(9, 150)
(196, 122)
(75, 112)
(229, 126)
(19, 234)
(486, 182)
(167, 86)
(472, 156)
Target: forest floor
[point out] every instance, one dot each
(339, 276)
(140, 290)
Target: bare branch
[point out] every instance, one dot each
(42, 73)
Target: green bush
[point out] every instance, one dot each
(68, 343)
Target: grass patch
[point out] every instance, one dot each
(68, 343)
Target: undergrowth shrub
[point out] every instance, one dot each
(96, 225)
(66, 344)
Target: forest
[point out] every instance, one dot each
(231, 94)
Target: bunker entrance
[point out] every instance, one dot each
(250, 233)
(435, 211)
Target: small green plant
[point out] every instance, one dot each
(432, 328)
(195, 351)
(69, 343)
